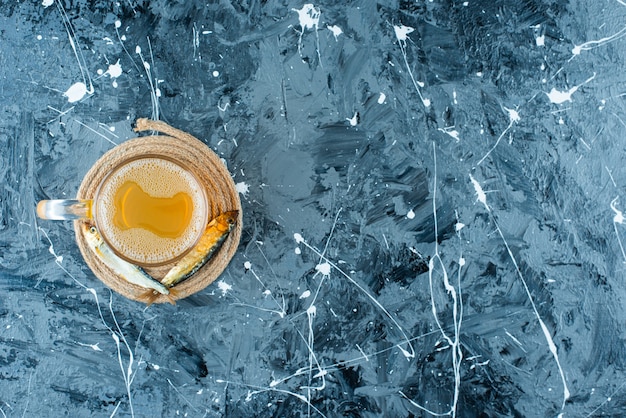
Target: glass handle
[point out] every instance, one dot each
(65, 209)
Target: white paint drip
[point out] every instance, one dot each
(546, 333)
(619, 216)
(410, 353)
(410, 214)
(282, 312)
(362, 352)
(78, 90)
(381, 98)
(596, 43)
(309, 18)
(514, 117)
(94, 347)
(305, 294)
(401, 33)
(618, 219)
(450, 131)
(336, 31)
(559, 97)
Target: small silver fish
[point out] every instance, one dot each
(214, 235)
(127, 271)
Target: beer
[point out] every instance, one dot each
(151, 210)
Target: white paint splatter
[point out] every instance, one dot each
(336, 30)
(115, 70)
(410, 214)
(450, 131)
(323, 268)
(381, 98)
(354, 119)
(540, 40)
(619, 216)
(305, 294)
(242, 188)
(402, 31)
(309, 16)
(546, 332)
(216, 73)
(224, 287)
(596, 43)
(480, 194)
(513, 115)
(247, 265)
(76, 92)
(559, 97)
(47, 3)
(513, 118)
(297, 250)
(618, 219)
(298, 238)
(311, 311)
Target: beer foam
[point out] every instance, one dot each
(159, 178)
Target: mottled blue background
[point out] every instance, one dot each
(455, 171)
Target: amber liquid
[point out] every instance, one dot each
(151, 211)
(166, 217)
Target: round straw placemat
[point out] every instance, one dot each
(222, 196)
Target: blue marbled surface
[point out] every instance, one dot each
(432, 193)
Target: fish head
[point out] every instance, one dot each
(224, 222)
(91, 234)
(230, 218)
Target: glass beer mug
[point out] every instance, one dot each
(150, 210)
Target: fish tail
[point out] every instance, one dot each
(172, 296)
(150, 296)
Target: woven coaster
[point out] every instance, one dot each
(210, 170)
